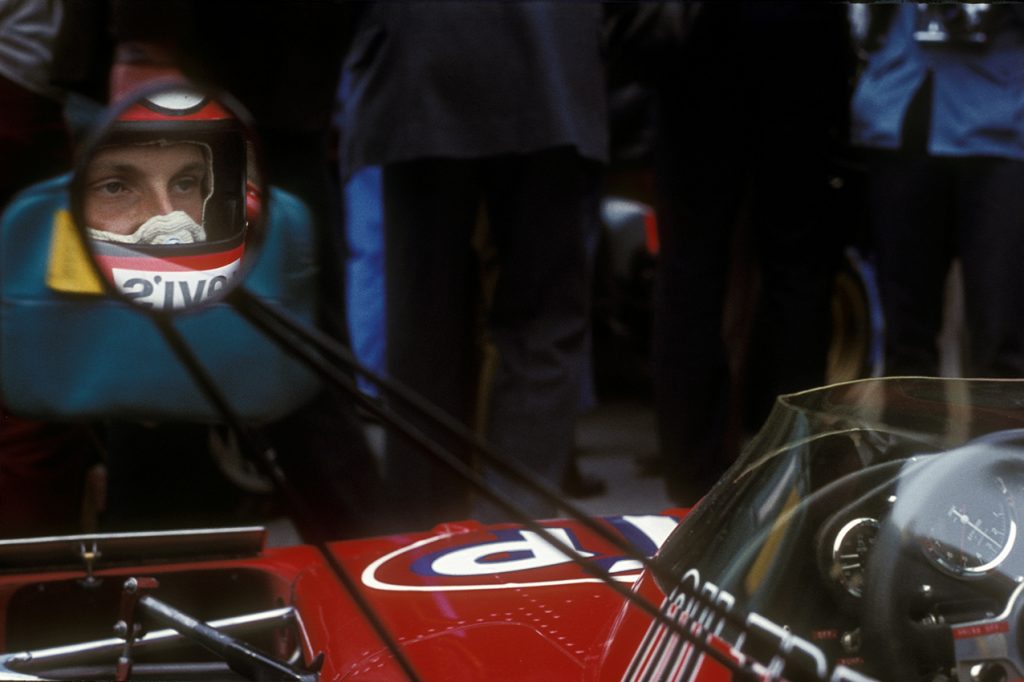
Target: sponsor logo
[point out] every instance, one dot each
(511, 558)
(664, 654)
(173, 288)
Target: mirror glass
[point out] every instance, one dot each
(168, 196)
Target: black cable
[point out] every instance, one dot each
(263, 456)
(291, 335)
(268, 316)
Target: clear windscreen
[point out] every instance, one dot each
(877, 520)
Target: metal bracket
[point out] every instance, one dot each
(89, 558)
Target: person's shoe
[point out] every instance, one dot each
(581, 486)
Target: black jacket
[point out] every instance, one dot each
(474, 79)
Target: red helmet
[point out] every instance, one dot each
(190, 156)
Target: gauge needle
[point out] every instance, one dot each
(966, 520)
(848, 557)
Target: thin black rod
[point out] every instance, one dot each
(264, 458)
(252, 307)
(290, 335)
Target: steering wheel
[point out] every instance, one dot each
(941, 585)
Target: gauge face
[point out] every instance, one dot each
(971, 538)
(850, 553)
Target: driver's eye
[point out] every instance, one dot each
(185, 184)
(110, 187)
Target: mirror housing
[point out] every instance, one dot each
(168, 196)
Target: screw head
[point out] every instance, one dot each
(121, 629)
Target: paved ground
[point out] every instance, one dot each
(610, 439)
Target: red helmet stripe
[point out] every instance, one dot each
(210, 111)
(208, 261)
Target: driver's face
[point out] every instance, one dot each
(127, 185)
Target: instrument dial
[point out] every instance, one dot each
(973, 537)
(850, 551)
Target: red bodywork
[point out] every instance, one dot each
(464, 601)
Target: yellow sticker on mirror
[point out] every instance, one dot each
(69, 268)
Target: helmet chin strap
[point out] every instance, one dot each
(176, 227)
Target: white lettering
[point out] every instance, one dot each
(173, 288)
(531, 552)
(656, 528)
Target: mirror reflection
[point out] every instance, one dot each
(168, 196)
(148, 194)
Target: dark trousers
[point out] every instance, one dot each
(926, 211)
(534, 206)
(744, 140)
(791, 325)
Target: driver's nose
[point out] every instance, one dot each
(158, 202)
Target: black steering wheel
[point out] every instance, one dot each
(942, 585)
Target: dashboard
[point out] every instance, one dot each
(961, 521)
(921, 547)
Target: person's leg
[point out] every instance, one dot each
(798, 253)
(797, 118)
(909, 213)
(699, 187)
(430, 208)
(576, 483)
(538, 205)
(990, 240)
(364, 272)
(322, 452)
(320, 446)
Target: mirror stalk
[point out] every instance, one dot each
(263, 456)
(310, 346)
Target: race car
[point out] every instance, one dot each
(868, 532)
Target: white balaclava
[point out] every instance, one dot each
(176, 227)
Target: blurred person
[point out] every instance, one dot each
(750, 106)
(939, 107)
(34, 142)
(364, 254)
(470, 110)
(281, 59)
(42, 465)
(364, 286)
(364, 272)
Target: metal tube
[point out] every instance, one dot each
(155, 639)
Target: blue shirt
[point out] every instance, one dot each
(978, 91)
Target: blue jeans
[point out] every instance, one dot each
(364, 271)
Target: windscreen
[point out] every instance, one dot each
(877, 519)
